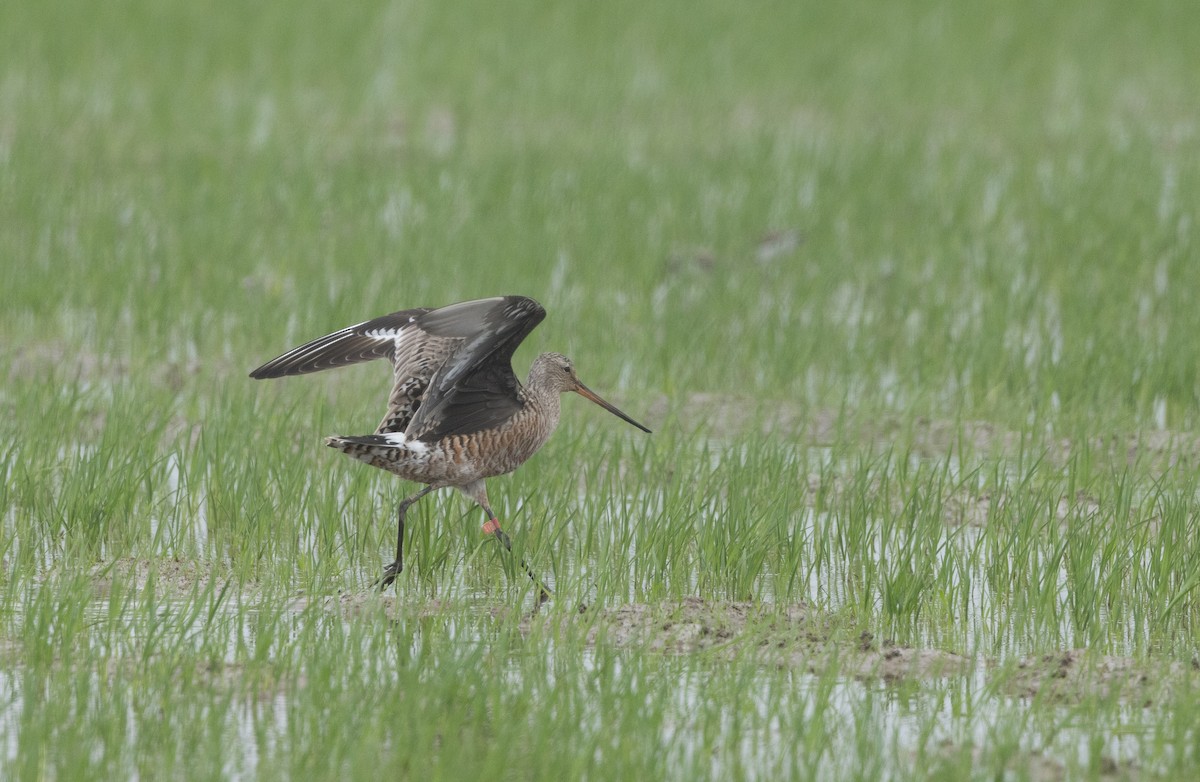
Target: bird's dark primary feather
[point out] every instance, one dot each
(361, 342)
(475, 389)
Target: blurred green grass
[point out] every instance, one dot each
(906, 289)
(985, 204)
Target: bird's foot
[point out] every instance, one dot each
(492, 527)
(389, 575)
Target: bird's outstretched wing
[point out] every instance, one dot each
(361, 342)
(475, 387)
(452, 365)
(415, 356)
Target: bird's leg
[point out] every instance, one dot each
(492, 527)
(393, 570)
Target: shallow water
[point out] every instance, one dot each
(907, 713)
(755, 734)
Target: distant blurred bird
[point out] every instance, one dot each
(457, 414)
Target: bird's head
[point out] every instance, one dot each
(557, 372)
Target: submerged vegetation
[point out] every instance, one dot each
(904, 290)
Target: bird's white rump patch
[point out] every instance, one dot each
(402, 440)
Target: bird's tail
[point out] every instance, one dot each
(380, 450)
(342, 442)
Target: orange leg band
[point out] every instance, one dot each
(491, 526)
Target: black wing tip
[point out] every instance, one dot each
(526, 306)
(275, 368)
(261, 374)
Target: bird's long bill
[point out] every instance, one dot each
(588, 393)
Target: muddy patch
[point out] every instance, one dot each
(791, 636)
(794, 636)
(893, 662)
(1072, 676)
(172, 576)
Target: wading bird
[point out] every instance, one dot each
(457, 414)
